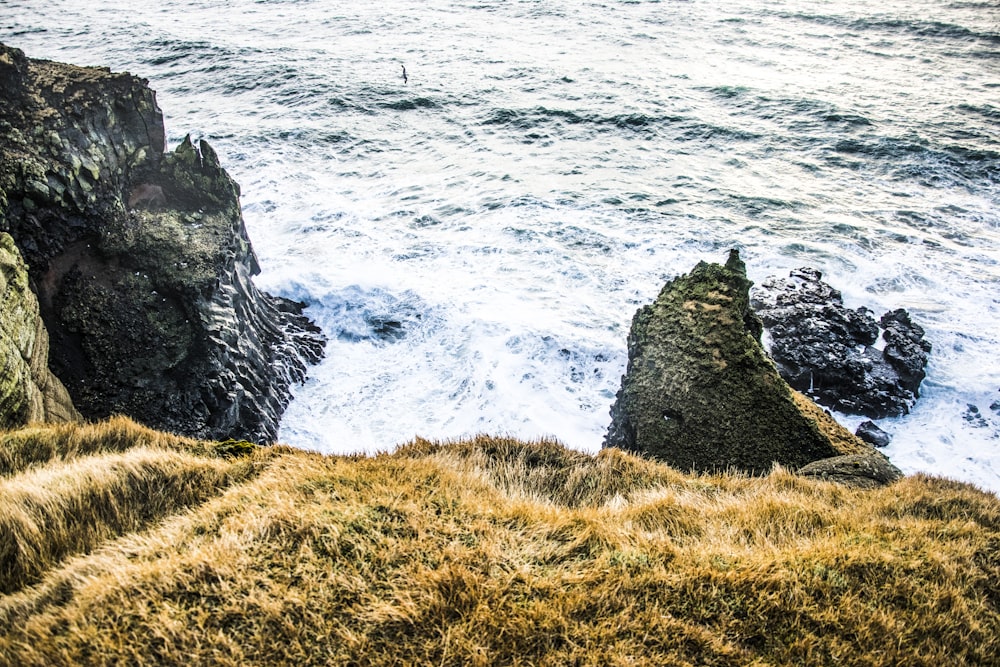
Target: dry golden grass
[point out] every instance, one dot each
(491, 551)
(43, 443)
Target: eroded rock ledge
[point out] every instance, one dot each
(140, 259)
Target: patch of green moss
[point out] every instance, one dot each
(232, 448)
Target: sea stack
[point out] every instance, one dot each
(701, 394)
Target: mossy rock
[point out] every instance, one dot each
(140, 258)
(861, 471)
(29, 392)
(701, 394)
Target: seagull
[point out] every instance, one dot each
(404, 73)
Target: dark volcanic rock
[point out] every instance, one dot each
(140, 259)
(974, 417)
(872, 434)
(700, 393)
(826, 350)
(905, 348)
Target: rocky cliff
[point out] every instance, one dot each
(701, 394)
(29, 392)
(140, 258)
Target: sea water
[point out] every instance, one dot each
(474, 239)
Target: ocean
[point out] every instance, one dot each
(475, 238)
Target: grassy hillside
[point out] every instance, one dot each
(123, 545)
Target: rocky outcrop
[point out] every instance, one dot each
(829, 351)
(140, 259)
(699, 391)
(29, 392)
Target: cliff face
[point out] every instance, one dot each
(140, 258)
(29, 392)
(699, 391)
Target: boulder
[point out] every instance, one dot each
(905, 349)
(829, 351)
(140, 259)
(29, 392)
(861, 471)
(700, 393)
(870, 432)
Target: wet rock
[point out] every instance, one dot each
(905, 348)
(872, 434)
(373, 315)
(862, 471)
(699, 391)
(828, 351)
(974, 417)
(140, 259)
(29, 392)
(386, 329)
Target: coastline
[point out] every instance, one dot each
(124, 543)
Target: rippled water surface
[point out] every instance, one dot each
(475, 239)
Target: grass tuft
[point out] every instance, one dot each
(42, 443)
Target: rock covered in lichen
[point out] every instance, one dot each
(868, 470)
(29, 392)
(140, 258)
(699, 391)
(70, 138)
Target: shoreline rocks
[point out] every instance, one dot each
(830, 352)
(700, 393)
(140, 259)
(870, 432)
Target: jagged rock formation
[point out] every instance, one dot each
(140, 258)
(699, 391)
(29, 392)
(827, 350)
